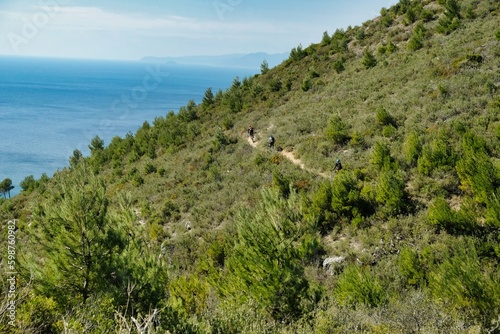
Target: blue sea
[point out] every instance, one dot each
(50, 107)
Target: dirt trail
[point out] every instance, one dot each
(252, 143)
(289, 155)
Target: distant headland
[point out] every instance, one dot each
(250, 60)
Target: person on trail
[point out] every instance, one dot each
(271, 142)
(338, 166)
(250, 133)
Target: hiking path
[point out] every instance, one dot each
(291, 157)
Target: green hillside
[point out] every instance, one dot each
(188, 227)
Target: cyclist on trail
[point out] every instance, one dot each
(270, 142)
(338, 166)
(250, 133)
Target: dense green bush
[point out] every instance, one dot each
(459, 281)
(441, 215)
(411, 266)
(357, 287)
(338, 65)
(306, 84)
(416, 41)
(339, 41)
(298, 53)
(319, 210)
(391, 48)
(381, 155)
(275, 85)
(477, 173)
(450, 20)
(369, 59)
(346, 201)
(412, 148)
(337, 130)
(188, 113)
(390, 191)
(436, 154)
(265, 263)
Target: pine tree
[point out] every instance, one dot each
(6, 186)
(337, 130)
(78, 242)
(208, 98)
(326, 38)
(76, 158)
(475, 169)
(369, 59)
(266, 263)
(264, 67)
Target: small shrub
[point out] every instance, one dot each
(320, 209)
(259, 159)
(313, 73)
(264, 67)
(435, 154)
(411, 16)
(381, 49)
(389, 131)
(390, 191)
(277, 159)
(411, 148)
(450, 20)
(416, 41)
(170, 210)
(337, 130)
(338, 65)
(427, 15)
(384, 117)
(346, 196)
(306, 84)
(298, 53)
(257, 90)
(443, 90)
(227, 123)
(357, 286)
(440, 214)
(411, 266)
(326, 38)
(360, 34)
(137, 181)
(188, 114)
(369, 59)
(387, 18)
(339, 41)
(475, 169)
(460, 281)
(357, 140)
(282, 184)
(275, 85)
(220, 141)
(381, 155)
(149, 168)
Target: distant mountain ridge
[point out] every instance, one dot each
(250, 60)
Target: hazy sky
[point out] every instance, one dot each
(132, 29)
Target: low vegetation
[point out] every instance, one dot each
(185, 227)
